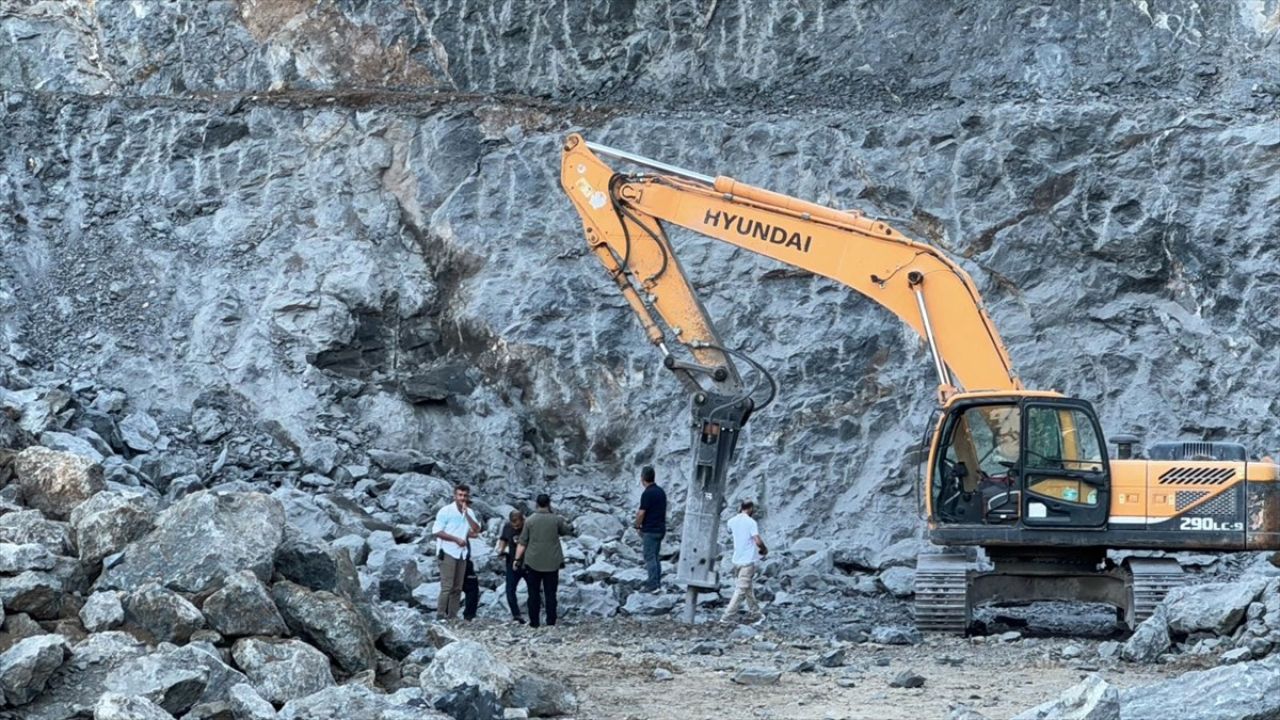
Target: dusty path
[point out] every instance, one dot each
(612, 667)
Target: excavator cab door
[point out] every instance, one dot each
(1063, 468)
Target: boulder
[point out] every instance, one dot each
(465, 662)
(469, 702)
(303, 512)
(102, 611)
(757, 676)
(114, 706)
(899, 582)
(1244, 691)
(599, 525)
(166, 615)
(596, 600)
(107, 522)
(73, 444)
(327, 621)
(1149, 641)
(405, 629)
(650, 604)
(894, 635)
(399, 574)
(56, 482)
(202, 540)
(26, 667)
(313, 564)
(1093, 699)
(164, 678)
(221, 676)
(35, 592)
(281, 670)
(18, 558)
(414, 499)
(75, 688)
(542, 696)
(1213, 607)
(139, 432)
(31, 526)
(348, 702)
(242, 607)
(247, 704)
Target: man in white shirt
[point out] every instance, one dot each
(455, 523)
(748, 549)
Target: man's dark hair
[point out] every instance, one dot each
(463, 487)
(646, 474)
(747, 505)
(544, 500)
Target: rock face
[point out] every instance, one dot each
(202, 540)
(1055, 151)
(56, 482)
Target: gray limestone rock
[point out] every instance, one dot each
(1213, 607)
(163, 678)
(17, 558)
(542, 696)
(1243, 691)
(243, 606)
(115, 706)
(895, 635)
(599, 525)
(77, 685)
(405, 629)
(247, 704)
(327, 621)
(102, 611)
(466, 662)
(164, 614)
(650, 604)
(1093, 699)
(56, 482)
(344, 702)
(899, 581)
(34, 592)
(1149, 641)
(31, 527)
(757, 676)
(26, 667)
(907, 679)
(106, 523)
(282, 670)
(140, 432)
(200, 541)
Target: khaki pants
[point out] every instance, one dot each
(453, 572)
(743, 591)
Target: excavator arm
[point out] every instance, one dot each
(623, 218)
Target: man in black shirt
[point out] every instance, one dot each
(507, 549)
(651, 521)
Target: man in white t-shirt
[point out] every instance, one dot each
(748, 549)
(455, 523)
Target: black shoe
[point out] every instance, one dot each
(518, 619)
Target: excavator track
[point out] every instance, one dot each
(942, 593)
(1150, 579)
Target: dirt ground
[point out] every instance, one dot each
(614, 668)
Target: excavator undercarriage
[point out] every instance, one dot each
(951, 584)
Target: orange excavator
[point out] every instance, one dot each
(1023, 474)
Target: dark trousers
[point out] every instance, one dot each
(470, 592)
(652, 563)
(513, 582)
(541, 584)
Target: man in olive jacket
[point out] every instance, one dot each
(541, 556)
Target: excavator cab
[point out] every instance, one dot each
(1025, 463)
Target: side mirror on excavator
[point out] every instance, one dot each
(1124, 446)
